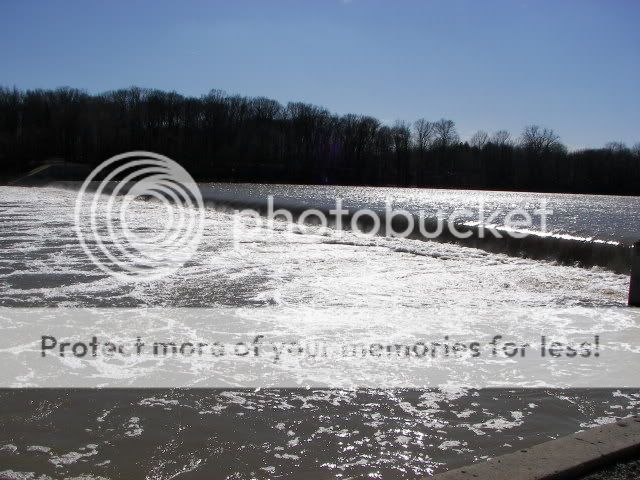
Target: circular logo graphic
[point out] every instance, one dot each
(139, 216)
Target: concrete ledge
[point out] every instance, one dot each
(564, 458)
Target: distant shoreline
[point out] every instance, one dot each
(44, 177)
(233, 138)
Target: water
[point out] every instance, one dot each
(604, 217)
(291, 433)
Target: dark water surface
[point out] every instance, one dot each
(160, 434)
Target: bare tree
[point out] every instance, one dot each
(401, 135)
(539, 140)
(636, 149)
(501, 138)
(479, 139)
(446, 134)
(265, 108)
(424, 134)
(616, 147)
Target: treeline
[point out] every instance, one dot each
(220, 137)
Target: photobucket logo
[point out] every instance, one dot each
(128, 238)
(458, 224)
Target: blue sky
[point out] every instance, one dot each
(573, 66)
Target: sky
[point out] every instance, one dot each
(573, 66)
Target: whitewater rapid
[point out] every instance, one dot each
(42, 264)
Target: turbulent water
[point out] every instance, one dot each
(164, 434)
